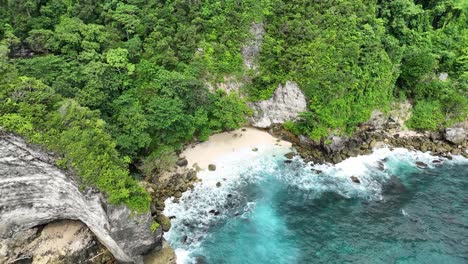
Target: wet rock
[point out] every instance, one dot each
(355, 179)
(178, 194)
(200, 260)
(255, 149)
(164, 221)
(218, 184)
(211, 167)
(214, 212)
(288, 161)
(421, 164)
(380, 165)
(394, 186)
(373, 143)
(229, 195)
(316, 171)
(290, 155)
(182, 162)
(336, 159)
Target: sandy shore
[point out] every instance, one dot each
(225, 143)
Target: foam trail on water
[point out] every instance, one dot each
(209, 205)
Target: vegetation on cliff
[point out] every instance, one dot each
(107, 83)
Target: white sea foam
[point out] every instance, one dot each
(208, 204)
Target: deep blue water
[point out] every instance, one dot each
(287, 213)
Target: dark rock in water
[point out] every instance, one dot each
(182, 162)
(288, 161)
(185, 239)
(316, 171)
(218, 184)
(289, 155)
(214, 212)
(172, 217)
(421, 164)
(394, 185)
(437, 161)
(255, 149)
(380, 165)
(229, 195)
(200, 260)
(236, 213)
(211, 167)
(355, 179)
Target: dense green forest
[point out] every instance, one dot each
(110, 83)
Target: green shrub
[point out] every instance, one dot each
(427, 115)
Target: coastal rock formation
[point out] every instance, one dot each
(455, 135)
(251, 51)
(458, 133)
(287, 102)
(64, 241)
(35, 192)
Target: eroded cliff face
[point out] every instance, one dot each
(286, 103)
(33, 192)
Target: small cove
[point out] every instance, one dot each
(269, 211)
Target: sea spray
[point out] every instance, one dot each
(241, 213)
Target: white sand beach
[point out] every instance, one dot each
(227, 143)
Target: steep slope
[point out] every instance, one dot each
(35, 192)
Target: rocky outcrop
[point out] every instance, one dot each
(287, 102)
(458, 133)
(251, 50)
(64, 241)
(35, 192)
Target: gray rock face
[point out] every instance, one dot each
(458, 133)
(35, 192)
(251, 51)
(286, 104)
(377, 120)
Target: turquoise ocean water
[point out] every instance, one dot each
(269, 211)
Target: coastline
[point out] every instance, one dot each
(238, 158)
(227, 143)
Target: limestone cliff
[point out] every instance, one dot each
(286, 103)
(33, 192)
